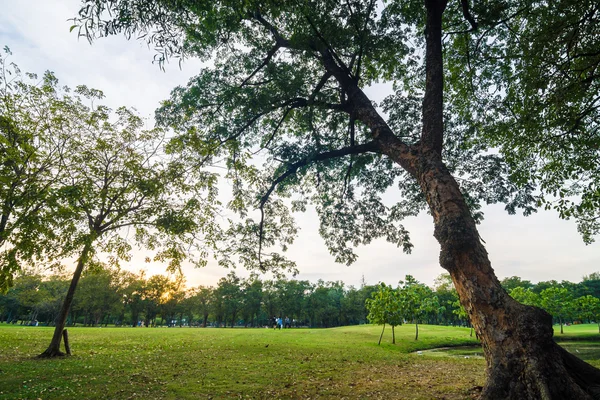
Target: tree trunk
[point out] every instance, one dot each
(53, 349)
(523, 361)
(416, 330)
(380, 336)
(561, 325)
(393, 335)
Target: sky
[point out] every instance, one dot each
(539, 247)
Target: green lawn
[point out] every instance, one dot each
(181, 363)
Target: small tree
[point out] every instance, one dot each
(460, 312)
(557, 302)
(417, 301)
(385, 307)
(588, 308)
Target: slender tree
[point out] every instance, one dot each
(556, 301)
(417, 301)
(588, 308)
(287, 80)
(121, 190)
(385, 307)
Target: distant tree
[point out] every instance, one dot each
(543, 285)
(594, 276)
(229, 292)
(591, 285)
(170, 308)
(53, 290)
(418, 301)
(294, 298)
(353, 307)
(132, 287)
(271, 300)
(557, 302)
(385, 307)
(201, 297)
(525, 296)
(515, 281)
(588, 308)
(446, 294)
(22, 299)
(97, 294)
(156, 291)
(251, 299)
(461, 313)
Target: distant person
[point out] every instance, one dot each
(279, 322)
(287, 322)
(274, 322)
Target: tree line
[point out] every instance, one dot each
(108, 296)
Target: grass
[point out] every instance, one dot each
(191, 363)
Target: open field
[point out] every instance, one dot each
(192, 363)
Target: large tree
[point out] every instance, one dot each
(518, 111)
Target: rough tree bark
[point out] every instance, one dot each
(523, 361)
(53, 349)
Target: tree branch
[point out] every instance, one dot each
(468, 16)
(294, 167)
(268, 58)
(279, 40)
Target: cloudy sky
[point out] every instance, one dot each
(540, 247)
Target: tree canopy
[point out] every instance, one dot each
(34, 126)
(486, 109)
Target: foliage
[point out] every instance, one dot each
(35, 121)
(418, 301)
(120, 179)
(588, 308)
(268, 90)
(525, 296)
(385, 307)
(527, 85)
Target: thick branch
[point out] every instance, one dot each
(364, 111)
(468, 16)
(328, 155)
(433, 126)
(280, 40)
